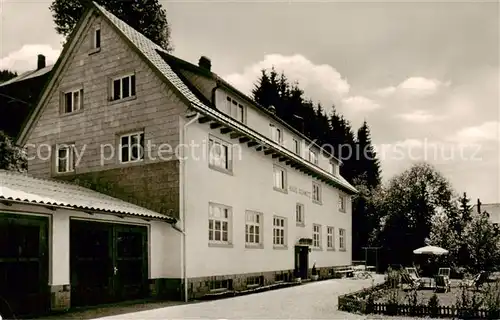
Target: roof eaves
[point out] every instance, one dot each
(218, 116)
(158, 216)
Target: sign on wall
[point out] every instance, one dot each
(302, 192)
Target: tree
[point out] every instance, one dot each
(411, 200)
(6, 75)
(146, 16)
(483, 243)
(11, 157)
(367, 164)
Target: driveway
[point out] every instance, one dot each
(315, 300)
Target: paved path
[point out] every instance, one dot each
(315, 300)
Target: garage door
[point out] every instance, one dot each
(23, 265)
(108, 262)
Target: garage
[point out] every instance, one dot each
(109, 262)
(24, 265)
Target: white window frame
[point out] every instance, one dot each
(313, 156)
(279, 178)
(330, 238)
(316, 196)
(279, 231)
(333, 168)
(316, 232)
(342, 203)
(132, 86)
(235, 109)
(300, 214)
(296, 146)
(224, 160)
(254, 226)
(342, 238)
(276, 134)
(219, 214)
(69, 158)
(139, 135)
(74, 106)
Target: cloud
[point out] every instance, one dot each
(358, 104)
(25, 58)
(485, 132)
(419, 116)
(320, 82)
(413, 86)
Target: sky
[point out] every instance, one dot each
(424, 75)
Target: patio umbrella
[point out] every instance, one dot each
(430, 250)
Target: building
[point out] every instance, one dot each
(255, 201)
(45, 239)
(19, 95)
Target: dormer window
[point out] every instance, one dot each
(313, 156)
(333, 168)
(276, 134)
(235, 109)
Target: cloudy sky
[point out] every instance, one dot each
(425, 75)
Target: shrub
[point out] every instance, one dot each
(433, 305)
(393, 278)
(467, 305)
(491, 299)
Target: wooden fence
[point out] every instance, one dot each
(354, 303)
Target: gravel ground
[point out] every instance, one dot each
(315, 300)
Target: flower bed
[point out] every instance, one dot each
(385, 299)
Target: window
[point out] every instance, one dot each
(330, 236)
(219, 217)
(220, 285)
(342, 203)
(276, 134)
(65, 160)
(316, 194)
(132, 147)
(317, 236)
(313, 156)
(279, 178)
(73, 101)
(296, 146)
(280, 276)
(342, 239)
(253, 227)
(123, 87)
(220, 155)
(97, 38)
(299, 214)
(254, 281)
(279, 227)
(333, 168)
(235, 109)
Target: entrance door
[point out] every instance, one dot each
(24, 264)
(302, 261)
(108, 262)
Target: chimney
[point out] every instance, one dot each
(205, 63)
(41, 62)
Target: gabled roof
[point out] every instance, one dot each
(28, 75)
(152, 54)
(21, 188)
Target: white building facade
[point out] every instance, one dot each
(253, 201)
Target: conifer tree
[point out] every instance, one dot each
(367, 164)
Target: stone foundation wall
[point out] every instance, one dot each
(198, 287)
(60, 297)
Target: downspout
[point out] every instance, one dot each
(183, 134)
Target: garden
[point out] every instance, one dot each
(463, 298)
